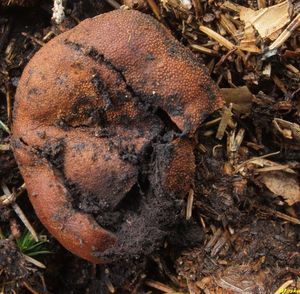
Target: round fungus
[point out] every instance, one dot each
(105, 116)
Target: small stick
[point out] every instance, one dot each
(261, 4)
(113, 3)
(108, 282)
(198, 8)
(217, 37)
(279, 84)
(254, 158)
(25, 221)
(283, 287)
(34, 39)
(7, 199)
(286, 33)
(4, 147)
(220, 39)
(204, 49)
(20, 214)
(232, 6)
(287, 217)
(189, 206)
(225, 118)
(4, 127)
(8, 104)
(159, 286)
(34, 261)
(29, 288)
(154, 8)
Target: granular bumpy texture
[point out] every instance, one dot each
(103, 134)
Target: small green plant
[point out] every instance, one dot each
(28, 246)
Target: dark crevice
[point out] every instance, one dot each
(101, 89)
(97, 117)
(23, 141)
(131, 200)
(166, 119)
(66, 126)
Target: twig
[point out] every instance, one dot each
(282, 287)
(154, 8)
(4, 147)
(4, 127)
(159, 286)
(29, 288)
(34, 261)
(220, 39)
(254, 158)
(7, 199)
(189, 206)
(204, 50)
(217, 37)
(287, 217)
(113, 3)
(281, 215)
(286, 33)
(20, 213)
(232, 6)
(198, 8)
(8, 103)
(226, 117)
(279, 84)
(34, 39)
(25, 221)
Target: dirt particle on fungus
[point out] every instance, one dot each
(150, 57)
(34, 91)
(175, 105)
(53, 151)
(210, 92)
(101, 90)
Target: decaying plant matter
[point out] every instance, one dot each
(105, 116)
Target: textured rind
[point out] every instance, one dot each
(110, 73)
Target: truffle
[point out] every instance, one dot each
(105, 112)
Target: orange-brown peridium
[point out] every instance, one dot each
(88, 105)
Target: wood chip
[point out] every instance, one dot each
(267, 21)
(286, 33)
(160, 286)
(240, 97)
(288, 130)
(282, 184)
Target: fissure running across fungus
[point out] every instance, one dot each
(105, 116)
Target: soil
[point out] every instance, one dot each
(234, 240)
